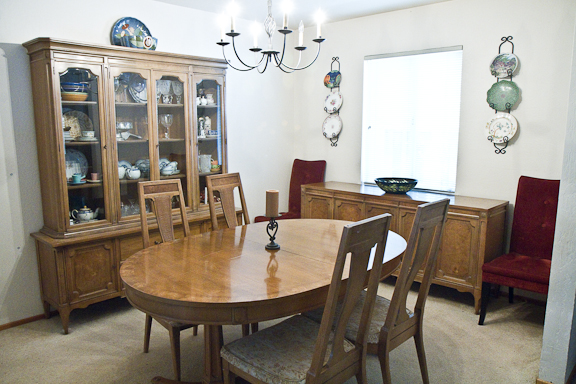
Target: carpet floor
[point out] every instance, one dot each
(105, 345)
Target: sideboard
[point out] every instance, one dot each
(474, 232)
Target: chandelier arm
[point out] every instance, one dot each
(263, 70)
(240, 60)
(299, 69)
(238, 69)
(278, 64)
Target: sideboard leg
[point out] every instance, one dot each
(46, 305)
(65, 318)
(477, 300)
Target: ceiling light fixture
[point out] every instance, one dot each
(270, 53)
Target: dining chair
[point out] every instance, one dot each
(393, 323)
(224, 186)
(527, 264)
(161, 195)
(298, 349)
(303, 172)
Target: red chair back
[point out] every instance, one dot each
(534, 219)
(303, 172)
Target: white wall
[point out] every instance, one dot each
(259, 119)
(542, 34)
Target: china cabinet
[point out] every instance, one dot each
(474, 231)
(106, 118)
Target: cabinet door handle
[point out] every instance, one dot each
(105, 146)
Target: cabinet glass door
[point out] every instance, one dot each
(211, 157)
(83, 135)
(133, 136)
(171, 98)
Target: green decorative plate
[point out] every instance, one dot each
(503, 95)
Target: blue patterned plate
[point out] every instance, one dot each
(332, 79)
(125, 28)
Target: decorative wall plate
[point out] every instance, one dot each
(503, 95)
(504, 65)
(127, 26)
(76, 122)
(332, 126)
(332, 79)
(501, 128)
(333, 102)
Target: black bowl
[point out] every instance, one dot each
(395, 184)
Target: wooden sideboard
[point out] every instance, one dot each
(474, 232)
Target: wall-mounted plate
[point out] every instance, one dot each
(501, 128)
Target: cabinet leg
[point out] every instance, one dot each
(64, 317)
(46, 309)
(477, 300)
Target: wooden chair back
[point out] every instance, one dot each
(358, 240)
(224, 186)
(421, 253)
(160, 194)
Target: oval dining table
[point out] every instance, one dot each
(228, 277)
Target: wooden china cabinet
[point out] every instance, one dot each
(142, 107)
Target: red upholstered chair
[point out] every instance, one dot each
(303, 172)
(527, 265)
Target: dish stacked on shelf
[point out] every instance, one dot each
(74, 91)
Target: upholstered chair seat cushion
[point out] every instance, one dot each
(280, 354)
(520, 271)
(381, 306)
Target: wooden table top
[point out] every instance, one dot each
(228, 277)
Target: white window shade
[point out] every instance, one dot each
(411, 117)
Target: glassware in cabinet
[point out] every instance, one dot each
(133, 136)
(209, 115)
(173, 131)
(83, 135)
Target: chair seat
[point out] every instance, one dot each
(381, 306)
(517, 266)
(290, 342)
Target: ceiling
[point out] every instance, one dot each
(334, 10)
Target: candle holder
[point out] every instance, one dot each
(271, 230)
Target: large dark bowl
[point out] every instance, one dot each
(395, 184)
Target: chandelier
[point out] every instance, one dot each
(270, 55)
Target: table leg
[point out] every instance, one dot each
(213, 341)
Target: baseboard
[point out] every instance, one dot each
(24, 321)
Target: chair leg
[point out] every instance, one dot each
(511, 295)
(229, 377)
(245, 330)
(362, 376)
(147, 328)
(484, 302)
(195, 330)
(419, 341)
(254, 327)
(175, 346)
(384, 357)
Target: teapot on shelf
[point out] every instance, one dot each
(84, 214)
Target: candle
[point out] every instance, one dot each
(255, 28)
(301, 34)
(272, 203)
(319, 20)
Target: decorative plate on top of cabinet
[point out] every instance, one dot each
(128, 26)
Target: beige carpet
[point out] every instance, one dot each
(105, 345)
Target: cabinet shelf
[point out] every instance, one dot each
(82, 186)
(170, 140)
(170, 106)
(132, 105)
(81, 143)
(214, 106)
(66, 102)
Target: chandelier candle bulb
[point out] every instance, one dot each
(272, 203)
(301, 34)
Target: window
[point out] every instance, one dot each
(411, 117)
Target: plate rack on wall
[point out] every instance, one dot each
(502, 97)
